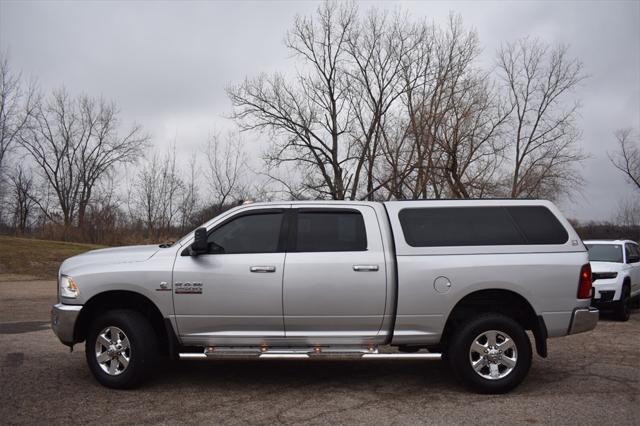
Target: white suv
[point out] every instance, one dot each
(615, 267)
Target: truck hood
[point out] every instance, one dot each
(606, 266)
(114, 255)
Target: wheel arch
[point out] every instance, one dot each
(125, 299)
(503, 301)
(626, 282)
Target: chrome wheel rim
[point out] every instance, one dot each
(113, 351)
(493, 355)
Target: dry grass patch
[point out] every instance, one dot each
(36, 258)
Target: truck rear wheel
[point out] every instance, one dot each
(121, 348)
(490, 353)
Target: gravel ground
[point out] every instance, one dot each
(590, 378)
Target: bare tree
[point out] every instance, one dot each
(447, 139)
(442, 65)
(284, 181)
(22, 193)
(542, 132)
(310, 116)
(16, 106)
(104, 218)
(154, 196)
(331, 120)
(627, 157)
(189, 199)
(470, 139)
(397, 161)
(376, 48)
(144, 196)
(628, 214)
(75, 142)
(409, 141)
(225, 168)
(466, 117)
(104, 149)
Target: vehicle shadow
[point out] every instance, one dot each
(23, 327)
(608, 315)
(386, 376)
(295, 373)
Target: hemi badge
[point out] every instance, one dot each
(163, 287)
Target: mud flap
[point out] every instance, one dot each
(540, 334)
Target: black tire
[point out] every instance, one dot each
(459, 356)
(142, 352)
(622, 310)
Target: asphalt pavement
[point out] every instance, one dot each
(591, 378)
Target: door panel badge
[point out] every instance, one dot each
(188, 288)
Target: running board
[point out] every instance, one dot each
(427, 355)
(293, 354)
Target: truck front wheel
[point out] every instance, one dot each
(622, 310)
(490, 353)
(121, 348)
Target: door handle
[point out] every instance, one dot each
(262, 268)
(365, 268)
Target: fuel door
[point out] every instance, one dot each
(442, 284)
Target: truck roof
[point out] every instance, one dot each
(448, 201)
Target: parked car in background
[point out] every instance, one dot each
(615, 267)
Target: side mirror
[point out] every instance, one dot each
(199, 245)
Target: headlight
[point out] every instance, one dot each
(604, 275)
(68, 287)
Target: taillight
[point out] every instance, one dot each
(584, 285)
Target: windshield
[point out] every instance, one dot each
(605, 252)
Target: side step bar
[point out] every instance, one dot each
(426, 355)
(303, 354)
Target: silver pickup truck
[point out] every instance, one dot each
(458, 280)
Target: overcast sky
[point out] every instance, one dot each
(166, 64)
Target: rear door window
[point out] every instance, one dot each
(330, 230)
(480, 226)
